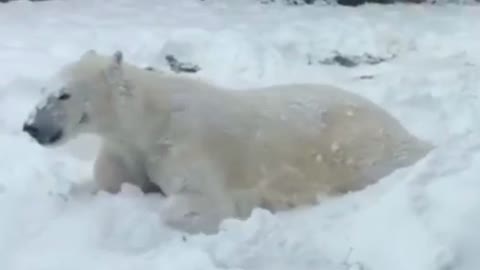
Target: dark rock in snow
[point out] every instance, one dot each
(178, 67)
(352, 3)
(290, 2)
(352, 61)
(366, 77)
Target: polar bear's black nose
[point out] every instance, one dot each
(43, 136)
(31, 130)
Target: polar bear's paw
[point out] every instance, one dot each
(193, 213)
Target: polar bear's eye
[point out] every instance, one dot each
(64, 96)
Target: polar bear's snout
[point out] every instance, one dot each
(43, 135)
(47, 124)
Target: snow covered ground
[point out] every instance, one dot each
(426, 217)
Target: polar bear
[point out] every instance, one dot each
(216, 153)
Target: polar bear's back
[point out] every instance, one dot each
(315, 139)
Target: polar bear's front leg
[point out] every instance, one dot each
(112, 170)
(197, 200)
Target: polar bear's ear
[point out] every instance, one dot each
(114, 71)
(117, 58)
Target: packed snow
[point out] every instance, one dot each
(424, 217)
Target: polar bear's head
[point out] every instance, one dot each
(80, 101)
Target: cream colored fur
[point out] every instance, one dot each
(219, 153)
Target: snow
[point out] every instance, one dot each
(422, 217)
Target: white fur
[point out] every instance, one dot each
(218, 153)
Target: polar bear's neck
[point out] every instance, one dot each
(160, 105)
